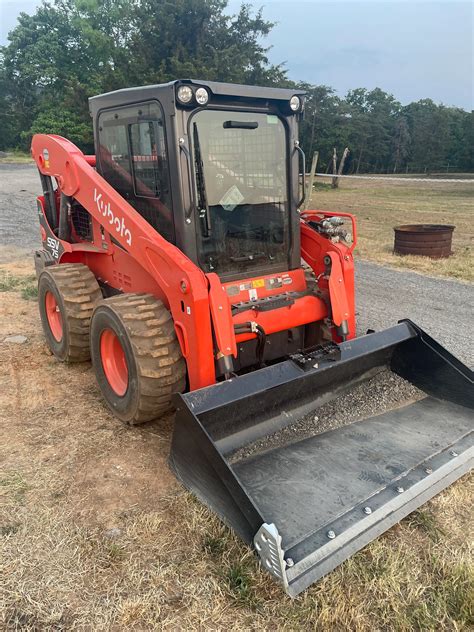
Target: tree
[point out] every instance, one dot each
(8, 126)
(196, 39)
(373, 115)
(459, 152)
(400, 143)
(72, 49)
(429, 131)
(325, 122)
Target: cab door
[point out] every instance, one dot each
(133, 158)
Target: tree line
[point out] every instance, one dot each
(72, 49)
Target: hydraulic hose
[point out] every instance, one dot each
(251, 327)
(49, 202)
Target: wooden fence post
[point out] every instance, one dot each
(334, 168)
(335, 180)
(309, 187)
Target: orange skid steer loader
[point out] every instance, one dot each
(177, 260)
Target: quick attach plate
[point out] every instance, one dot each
(312, 358)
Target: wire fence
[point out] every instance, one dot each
(395, 178)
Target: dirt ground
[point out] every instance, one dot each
(97, 534)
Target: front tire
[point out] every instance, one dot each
(136, 356)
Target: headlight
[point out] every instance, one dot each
(295, 103)
(202, 96)
(185, 94)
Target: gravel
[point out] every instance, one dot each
(17, 340)
(442, 307)
(19, 228)
(384, 391)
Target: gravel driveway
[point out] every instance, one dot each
(443, 307)
(19, 228)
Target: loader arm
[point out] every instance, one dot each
(183, 284)
(337, 275)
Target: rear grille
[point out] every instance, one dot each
(81, 220)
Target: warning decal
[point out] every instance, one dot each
(231, 199)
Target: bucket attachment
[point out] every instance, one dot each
(307, 504)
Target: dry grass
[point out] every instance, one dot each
(380, 206)
(16, 158)
(96, 534)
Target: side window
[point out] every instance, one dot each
(115, 156)
(147, 156)
(133, 159)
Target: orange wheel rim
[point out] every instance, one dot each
(53, 315)
(114, 362)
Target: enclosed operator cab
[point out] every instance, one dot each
(213, 167)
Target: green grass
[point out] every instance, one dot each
(26, 285)
(16, 157)
(30, 291)
(214, 545)
(239, 577)
(13, 485)
(426, 521)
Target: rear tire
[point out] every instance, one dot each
(67, 294)
(136, 356)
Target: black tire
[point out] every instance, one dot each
(74, 290)
(155, 367)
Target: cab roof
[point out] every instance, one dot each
(217, 89)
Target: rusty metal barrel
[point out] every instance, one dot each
(427, 240)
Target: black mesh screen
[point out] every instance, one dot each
(81, 221)
(249, 157)
(243, 158)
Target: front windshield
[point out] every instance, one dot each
(240, 171)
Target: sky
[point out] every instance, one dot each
(413, 49)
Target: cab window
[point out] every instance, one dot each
(133, 159)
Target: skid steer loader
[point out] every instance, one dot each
(176, 259)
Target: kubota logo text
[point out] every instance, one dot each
(119, 223)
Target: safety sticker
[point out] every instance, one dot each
(231, 199)
(258, 283)
(233, 290)
(287, 281)
(273, 283)
(253, 295)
